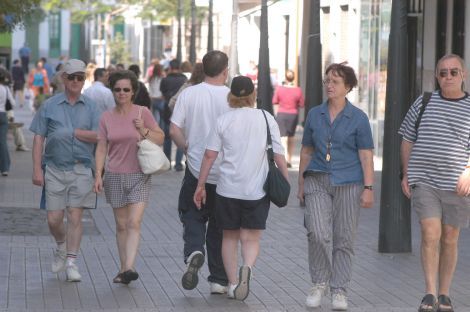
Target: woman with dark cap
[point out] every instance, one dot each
(241, 204)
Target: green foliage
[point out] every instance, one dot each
(14, 12)
(119, 50)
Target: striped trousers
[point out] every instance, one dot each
(331, 216)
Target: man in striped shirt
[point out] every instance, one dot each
(436, 176)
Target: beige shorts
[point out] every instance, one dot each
(451, 208)
(72, 189)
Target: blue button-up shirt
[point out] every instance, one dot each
(349, 132)
(56, 121)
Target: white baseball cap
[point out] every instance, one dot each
(74, 66)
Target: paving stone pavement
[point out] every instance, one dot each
(381, 282)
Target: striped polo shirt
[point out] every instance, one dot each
(441, 147)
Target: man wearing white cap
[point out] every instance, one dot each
(66, 123)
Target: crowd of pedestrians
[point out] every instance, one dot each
(85, 142)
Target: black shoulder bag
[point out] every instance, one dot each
(277, 187)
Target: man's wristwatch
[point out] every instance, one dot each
(368, 187)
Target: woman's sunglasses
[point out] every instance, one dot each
(72, 77)
(126, 90)
(454, 72)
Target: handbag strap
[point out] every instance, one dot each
(269, 141)
(139, 117)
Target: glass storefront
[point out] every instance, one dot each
(374, 33)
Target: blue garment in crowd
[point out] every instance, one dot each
(349, 132)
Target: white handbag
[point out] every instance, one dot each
(152, 160)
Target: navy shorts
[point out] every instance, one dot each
(233, 214)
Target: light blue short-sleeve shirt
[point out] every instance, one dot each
(56, 121)
(349, 133)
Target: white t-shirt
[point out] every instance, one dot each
(241, 137)
(102, 96)
(196, 111)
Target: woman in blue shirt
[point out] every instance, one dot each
(336, 176)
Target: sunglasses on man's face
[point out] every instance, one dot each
(126, 90)
(454, 72)
(72, 77)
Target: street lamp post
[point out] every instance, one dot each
(192, 47)
(210, 31)
(395, 218)
(178, 45)
(265, 89)
(313, 90)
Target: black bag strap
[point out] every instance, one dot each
(425, 100)
(268, 139)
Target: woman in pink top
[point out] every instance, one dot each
(125, 186)
(289, 98)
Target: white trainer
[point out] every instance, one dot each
(230, 291)
(315, 295)
(217, 289)
(72, 273)
(58, 263)
(339, 302)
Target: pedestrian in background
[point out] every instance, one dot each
(126, 187)
(5, 95)
(17, 75)
(99, 92)
(57, 84)
(156, 95)
(67, 124)
(169, 87)
(142, 97)
(25, 54)
(38, 81)
(435, 155)
(241, 204)
(336, 177)
(289, 98)
(194, 117)
(89, 75)
(197, 76)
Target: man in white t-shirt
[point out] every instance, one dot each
(195, 114)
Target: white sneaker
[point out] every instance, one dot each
(315, 295)
(72, 273)
(58, 263)
(216, 288)
(230, 291)
(190, 278)
(339, 302)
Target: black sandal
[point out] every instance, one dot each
(445, 301)
(428, 304)
(129, 276)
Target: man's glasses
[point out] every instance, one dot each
(72, 77)
(126, 90)
(454, 72)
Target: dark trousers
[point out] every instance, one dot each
(167, 147)
(4, 154)
(25, 64)
(195, 233)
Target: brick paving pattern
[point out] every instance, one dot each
(381, 282)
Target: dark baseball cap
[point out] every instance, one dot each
(241, 86)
